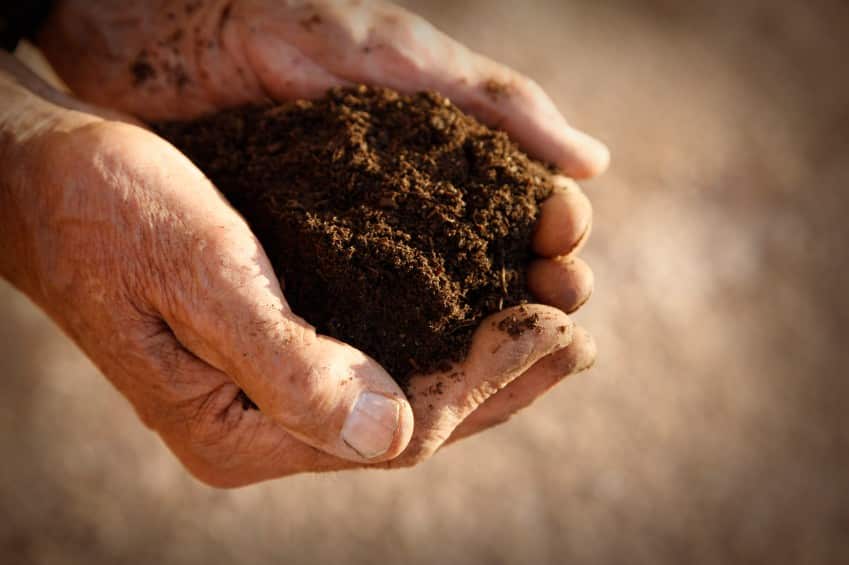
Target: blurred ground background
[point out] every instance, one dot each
(714, 428)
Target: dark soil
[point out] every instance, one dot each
(397, 223)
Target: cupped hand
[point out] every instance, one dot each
(164, 59)
(131, 250)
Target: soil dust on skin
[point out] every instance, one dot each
(397, 222)
(162, 63)
(515, 325)
(497, 90)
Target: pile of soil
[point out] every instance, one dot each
(397, 223)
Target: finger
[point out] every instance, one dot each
(247, 447)
(283, 71)
(200, 413)
(506, 99)
(226, 445)
(519, 394)
(505, 345)
(562, 282)
(564, 222)
(225, 305)
(324, 392)
(218, 439)
(258, 449)
(386, 45)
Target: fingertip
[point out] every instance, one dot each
(379, 424)
(336, 399)
(579, 356)
(583, 156)
(562, 282)
(564, 220)
(585, 349)
(520, 393)
(508, 342)
(595, 156)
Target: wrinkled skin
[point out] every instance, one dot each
(132, 251)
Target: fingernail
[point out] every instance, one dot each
(370, 427)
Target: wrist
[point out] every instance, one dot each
(28, 122)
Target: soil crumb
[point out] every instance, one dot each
(141, 70)
(396, 222)
(497, 90)
(517, 324)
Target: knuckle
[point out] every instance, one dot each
(206, 432)
(213, 421)
(170, 374)
(206, 451)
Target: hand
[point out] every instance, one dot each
(125, 244)
(162, 59)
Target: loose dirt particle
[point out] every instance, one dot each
(497, 90)
(142, 70)
(191, 6)
(517, 324)
(309, 23)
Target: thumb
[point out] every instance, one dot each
(228, 309)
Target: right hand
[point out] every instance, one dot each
(160, 60)
(132, 251)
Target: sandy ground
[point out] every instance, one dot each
(714, 427)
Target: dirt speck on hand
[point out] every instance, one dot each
(516, 324)
(311, 22)
(141, 69)
(497, 90)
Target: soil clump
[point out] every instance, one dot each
(397, 223)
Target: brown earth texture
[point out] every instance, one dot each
(397, 223)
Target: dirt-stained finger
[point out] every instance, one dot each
(505, 345)
(562, 282)
(400, 50)
(511, 101)
(546, 373)
(235, 445)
